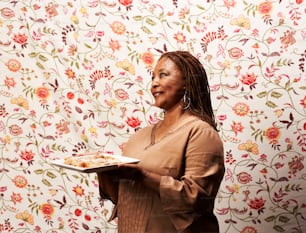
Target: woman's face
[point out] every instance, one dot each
(168, 85)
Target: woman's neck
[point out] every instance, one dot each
(173, 117)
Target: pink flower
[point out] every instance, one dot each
(121, 94)
(244, 178)
(235, 53)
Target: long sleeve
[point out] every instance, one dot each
(194, 193)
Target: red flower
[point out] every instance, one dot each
(27, 155)
(248, 79)
(70, 95)
(80, 101)
(87, 217)
(133, 122)
(78, 212)
(257, 204)
(20, 38)
(125, 2)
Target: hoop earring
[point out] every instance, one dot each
(186, 101)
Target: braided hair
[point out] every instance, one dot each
(196, 84)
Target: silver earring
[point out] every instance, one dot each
(186, 101)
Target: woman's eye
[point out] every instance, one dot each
(162, 75)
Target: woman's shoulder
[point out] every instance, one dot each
(142, 131)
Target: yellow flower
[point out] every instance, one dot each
(7, 139)
(25, 216)
(236, 188)
(242, 22)
(126, 65)
(21, 102)
(249, 147)
(83, 11)
(74, 19)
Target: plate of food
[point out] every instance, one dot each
(93, 162)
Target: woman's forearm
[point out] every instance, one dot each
(152, 180)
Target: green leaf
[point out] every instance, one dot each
(46, 182)
(278, 228)
(39, 65)
(146, 30)
(39, 171)
(33, 54)
(271, 104)
(150, 21)
(51, 175)
(138, 17)
(42, 57)
(262, 94)
(276, 94)
(270, 218)
(283, 219)
(87, 45)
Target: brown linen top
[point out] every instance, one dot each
(190, 161)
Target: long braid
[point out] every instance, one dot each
(197, 85)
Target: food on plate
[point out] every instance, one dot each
(91, 160)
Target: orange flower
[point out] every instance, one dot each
(180, 37)
(13, 65)
(249, 229)
(79, 191)
(265, 8)
(118, 27)
(47, 209)
(147, 58)
(70, 73)
(42, 92)
(241, 109)
(20, 181)
(273, 133)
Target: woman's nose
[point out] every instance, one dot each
(155, 82)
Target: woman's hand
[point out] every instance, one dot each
(130, 172)
(134, 172)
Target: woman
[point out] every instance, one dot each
(173, 187)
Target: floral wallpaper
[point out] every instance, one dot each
(75, 78)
